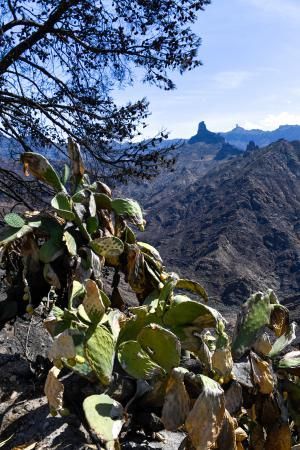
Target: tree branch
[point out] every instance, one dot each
(35, 37)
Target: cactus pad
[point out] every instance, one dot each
(137, 362)
(38, 166)
(50, 250)
(82, 368)
(62, 204)
(102, 201)
(204, 422)
(100, 352)
(284, 340)
(255, 314)
(9, 234)
(290, 360)
(62, 347)
(192, 286)
(149, 250)
(14, 220)
(163, 346)
(177, 402)
(188, 312)
(130, 210)
(92, 302)
(54, 389)
(70, 243)
(107, 246)
(104, 415)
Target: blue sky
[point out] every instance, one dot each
(251, 73)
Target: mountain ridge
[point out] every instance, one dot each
(236, 227)
(240, 137)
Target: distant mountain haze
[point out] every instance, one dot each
(240, 137)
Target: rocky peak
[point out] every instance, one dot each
(206, 136)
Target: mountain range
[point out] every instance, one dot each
(228, 215)
(241, 137)
(232, 223)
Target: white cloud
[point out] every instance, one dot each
(231, 79)
(273, 121)
(288, 8)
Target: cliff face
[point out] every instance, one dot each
(237, 228)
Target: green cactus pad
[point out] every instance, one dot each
(137, 362)
(191, 312)
(152, 299)
(165, 295)
(9, 234)
(50, 250)
(77, 293)
(62, 204)
(104, 416)
(65, 174)
(83, 369)
(163, 346)
(14, 220)
(149, 250)
(130, 237)
(141, 318)
(192, 286)
(105, 299)
(255, 314)
(102, 201)
(38, 166)
(81, 196)
(92, 224)
(100, 352)
(290, 360)
(52, 228)
(130, 210)
(107, 246)
(70, 243)
(82, 315)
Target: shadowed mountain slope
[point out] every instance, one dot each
(237, 228)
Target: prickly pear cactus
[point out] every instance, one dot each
(155, 352)
(257, 313)
(172, 349)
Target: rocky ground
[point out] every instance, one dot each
(24, 413)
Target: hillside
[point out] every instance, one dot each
(237, 227)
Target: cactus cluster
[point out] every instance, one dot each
(242, 393)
